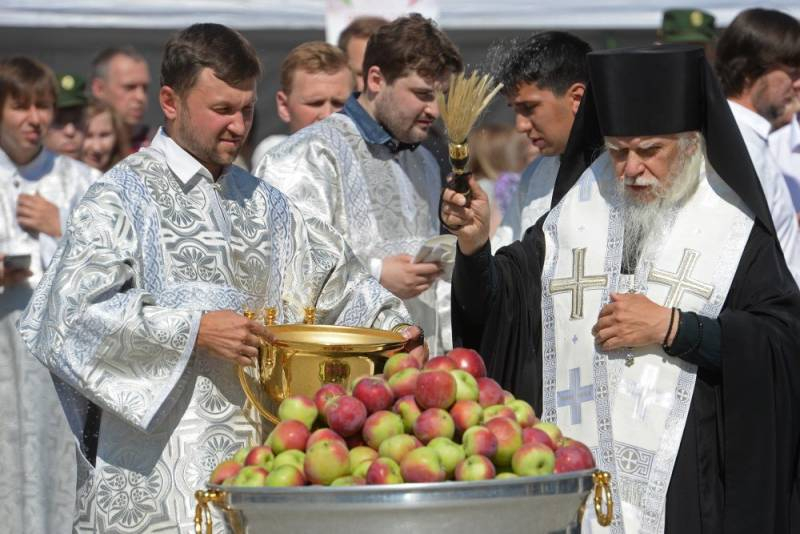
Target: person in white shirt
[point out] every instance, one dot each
(785, 146)
(758, 64)
(38, 188)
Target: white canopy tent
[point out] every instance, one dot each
(310, 14)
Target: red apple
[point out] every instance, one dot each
(442, 363)
(322, 434)
(508, 397)
(466, 413)
(286, 435)
(326, 393)
(345, 415)
(375, 393)
(552, 430)
(479, 440)
(497, 410)
(466, 385)
(225, 470)
(533, 459)
(524, 413)
(435, 389)
(537, 435)
(404, 382)
(291, 457)
(468, 360)
(406, 407)
(285, 475)
(260, 455)
(573, 457)
(509, 439)
(490, 392)
(361, 454)
(450, 454)
(384, 471)
(251, 476)
(398, 362)
(434, 423)
(422, 465)
(380, 426)
(298, 407)
(326, 461)
(475, 467)
(396, 447)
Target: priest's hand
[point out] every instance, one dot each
(12, 277)
(632, 320)
(35, 214)
(469, 221)
(416, 345)
(231, 337)
(406, 279)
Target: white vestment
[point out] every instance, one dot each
(150, 247)
(37, 452)
(531, 201)
(632, 416)
(384, 203)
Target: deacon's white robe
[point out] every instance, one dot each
(37, 452)
(384, 203)
(149, 248)
(531, 201)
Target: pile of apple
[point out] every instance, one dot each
(446, 421)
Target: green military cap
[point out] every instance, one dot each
(687, 26)
(71, 89)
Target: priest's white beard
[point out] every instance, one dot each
(644, 220)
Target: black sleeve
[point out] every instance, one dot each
(474, 284)
(697, 340)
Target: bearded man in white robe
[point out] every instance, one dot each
(38, 188)
(139, 315)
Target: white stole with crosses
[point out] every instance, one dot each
(631, 416)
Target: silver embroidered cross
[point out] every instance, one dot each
(645, 392)
(578, 283)
(679, 282)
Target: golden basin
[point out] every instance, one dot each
(303, 357)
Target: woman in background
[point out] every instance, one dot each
(498, 155)
(106, 139)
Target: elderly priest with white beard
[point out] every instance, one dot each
(650, 313)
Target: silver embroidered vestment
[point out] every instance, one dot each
(383, 203)
(149, 248)
(36, 447)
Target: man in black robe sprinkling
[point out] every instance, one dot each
(650, 313)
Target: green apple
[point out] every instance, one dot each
(466, 385)
(251, 476)
(285, 475)
(533, 459)
(450, 453)
(294, 458)
(298, 408)
(422, 465)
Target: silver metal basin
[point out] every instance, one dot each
(530, 505)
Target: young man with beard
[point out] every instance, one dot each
(758, 64)
(363, 171)
(38, 189)
(139, 315)
(543, 78)
(650, 314)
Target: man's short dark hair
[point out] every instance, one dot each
(360, 27)
(552, 60)
(25, 79)
(223, 50)
(411, 44)
(102, 60)
(757, 41)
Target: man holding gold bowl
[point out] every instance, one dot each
(138, 315)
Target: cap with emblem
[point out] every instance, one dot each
(687, 26)
(71, 89)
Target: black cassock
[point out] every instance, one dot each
(737, 466)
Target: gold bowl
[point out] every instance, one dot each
(304, 357)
